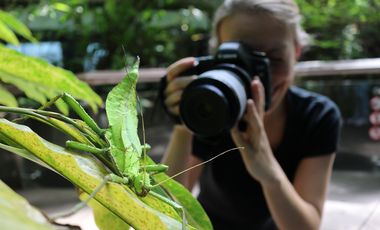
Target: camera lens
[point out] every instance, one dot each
(204, 110)
(213, 103)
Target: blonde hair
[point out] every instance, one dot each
(286, 11)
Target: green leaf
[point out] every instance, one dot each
(40, 80)
(17, 213)
(16, 25)
(51, 93)
(6, 98)
(24, 153)
(32, 91)
(7, 35)
(87, 173)
(69, 130)
(196, 215)
(62, 7)
(104, 219)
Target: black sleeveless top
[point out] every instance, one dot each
(230, 196)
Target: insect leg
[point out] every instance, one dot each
(176, 206)
(154, 169)
(82, 113)
(82, 204)
(146, 148)
(100, 154)
(86, 148)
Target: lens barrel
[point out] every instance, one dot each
(213, 103)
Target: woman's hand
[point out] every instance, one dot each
(257, 153)
(176, 85)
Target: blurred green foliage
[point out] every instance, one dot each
(110, 33)
(115, 31)
(342, 29)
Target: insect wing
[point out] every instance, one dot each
(117, 155)
(122, 113)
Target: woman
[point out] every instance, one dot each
(280, 178)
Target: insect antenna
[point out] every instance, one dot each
(143, 134)
(125, 55)
(197, 165)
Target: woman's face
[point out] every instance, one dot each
(266, 34)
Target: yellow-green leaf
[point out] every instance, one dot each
(25, 154)
(40, 80)
(62, 7)
(7, 35)
(69, 130)
(17, 213)
(6, 98)
(17, 26)
(104, 218)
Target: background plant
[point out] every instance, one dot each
(35, 77)
(343, 29)
(97, 30)
(163, 31)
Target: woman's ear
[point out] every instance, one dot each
(298, 51)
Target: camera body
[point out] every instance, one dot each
(214, 102)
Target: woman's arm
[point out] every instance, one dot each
(178, 152)
(300, 205)
(292, 206)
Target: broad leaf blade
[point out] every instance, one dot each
(25, 154)
(16, 25)
(86, 173)
(104, 218)
(17, 213)
(6, 98)
(7, 35)
(69, 130)
(51, 93)
(196, 215)
(39, 79)
(32, 91)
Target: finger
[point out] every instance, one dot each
(178, 84)
(253, 118)
(251, 111)
(258, 95)
(174, 110)
(238, 138)
(173, 98)
(178, 67)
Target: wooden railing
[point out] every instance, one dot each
(303, 69)
(338, 68)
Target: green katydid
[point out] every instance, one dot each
(118, 147)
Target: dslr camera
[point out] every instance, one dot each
(214, 102)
